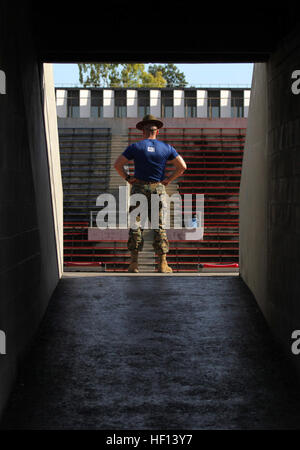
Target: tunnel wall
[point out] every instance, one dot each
(270, 193)
(30, 258)
(254, 190)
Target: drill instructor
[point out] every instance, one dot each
(150, 157)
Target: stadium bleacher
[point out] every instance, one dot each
(214, 162)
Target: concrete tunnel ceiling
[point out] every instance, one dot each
(168, 33)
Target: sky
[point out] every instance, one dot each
(218, 75)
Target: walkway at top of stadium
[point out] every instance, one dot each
(120, 352)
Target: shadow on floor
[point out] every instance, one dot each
(188, 353)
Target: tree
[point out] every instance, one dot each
(121, 75)
(97, 74)
(171, 73)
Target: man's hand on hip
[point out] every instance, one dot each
(132, 180)
(166, 181)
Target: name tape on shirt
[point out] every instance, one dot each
(151, 149)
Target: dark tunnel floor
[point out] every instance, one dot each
(154, 353)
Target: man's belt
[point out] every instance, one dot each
(138, 181)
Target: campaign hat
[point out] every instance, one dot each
(149, 119)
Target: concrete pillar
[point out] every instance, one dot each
(84, 103)
(201, 103)
(225, 103)
(61, 102)
(155, 102)
(178, 103)
(108, 103)
(132, 103)
(247, 93)
(52, 141)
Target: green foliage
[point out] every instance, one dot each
(97, 74)
(130, 75)
(172, 75)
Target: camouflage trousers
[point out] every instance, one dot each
(160, 240)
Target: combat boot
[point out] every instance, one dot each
(133, 267)
(163, 265)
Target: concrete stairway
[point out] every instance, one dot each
(147, 255)
(171, 189)
(84, 155)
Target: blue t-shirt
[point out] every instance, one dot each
(150, 157)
